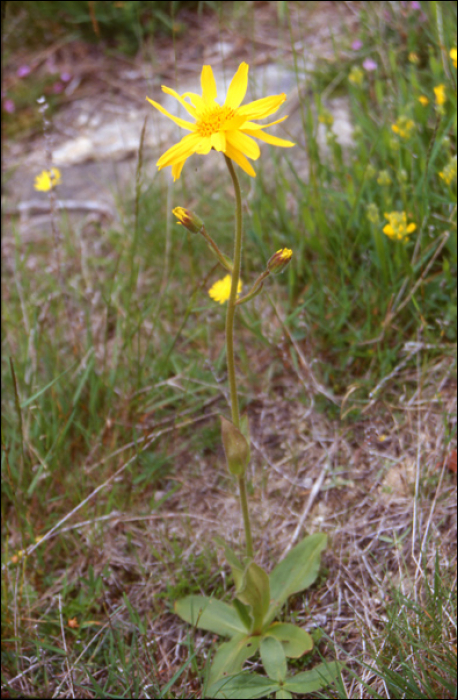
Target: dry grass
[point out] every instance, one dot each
(380, 488)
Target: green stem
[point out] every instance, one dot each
(233, 297)
(231, 304)
(246, 516)
(255, 289)
(223, 260)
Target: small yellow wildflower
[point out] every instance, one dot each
(356, 76)
(441, 97)
(403, 127)
(423, 100)
(397, 227)
(221, 290)
(47, 179)
(453, 56)
(384, 178)
(414, 57)
(326, 118)
(227, 128)
(448, 174)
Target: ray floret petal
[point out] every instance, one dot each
(227, 128)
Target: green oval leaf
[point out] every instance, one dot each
(273, 659)
(296, 641)
(298, 570)
(229, 659)
(209, 614)
(310, 681)
(255, 591)
(243, 686)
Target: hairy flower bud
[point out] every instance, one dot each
(188, 219)
(279, 261)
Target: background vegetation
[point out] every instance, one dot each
(113, 372)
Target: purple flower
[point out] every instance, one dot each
(22, 71)
(65, 77)
(357, 45)
(369, 64)
(414, 5)
(57, 87)
(9, 106)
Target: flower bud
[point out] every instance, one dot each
(236, 447)
(279, 261)
(188, 219)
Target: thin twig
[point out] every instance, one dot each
(64, 644)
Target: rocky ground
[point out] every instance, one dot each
(94, 136)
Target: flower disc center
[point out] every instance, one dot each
(214, 120)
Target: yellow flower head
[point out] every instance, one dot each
(356, 76)
(453, 56)
(47, 179)
(441, 97)
(384, 178)
(326, 118)
(397, 227)
(423, 100)
(227, 128)
(403, 127)
(221, 290)
(448, 174)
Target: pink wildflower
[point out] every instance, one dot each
(9, 106)
(22, 71)
(369, 64)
